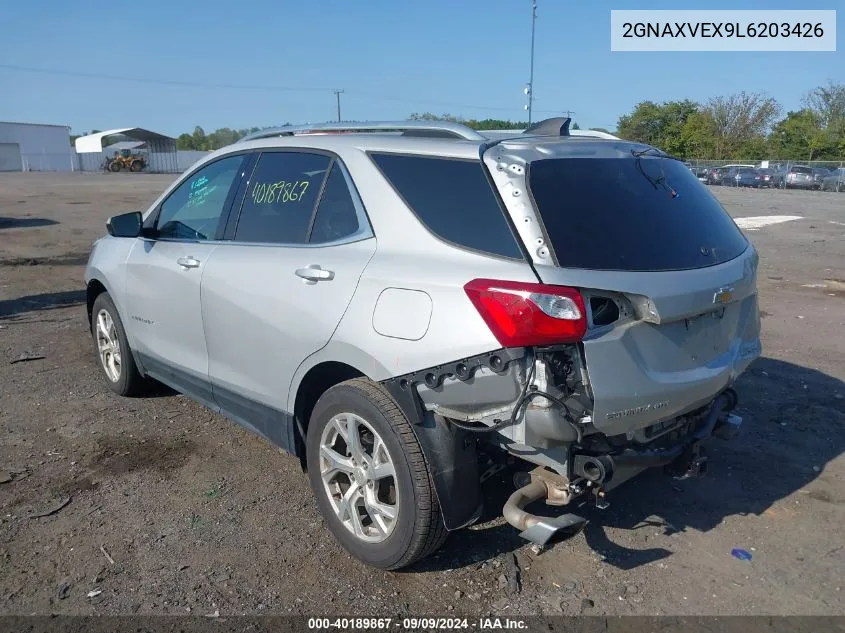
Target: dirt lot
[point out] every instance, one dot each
(199, 516)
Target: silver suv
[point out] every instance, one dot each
(384, 301)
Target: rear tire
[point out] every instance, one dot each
(356, 501)
(113, 352)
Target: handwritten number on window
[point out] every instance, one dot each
(275, 192)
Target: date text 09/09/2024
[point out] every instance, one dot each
(418, 624)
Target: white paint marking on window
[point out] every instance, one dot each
(759, 221)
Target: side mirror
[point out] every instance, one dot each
(125, 224)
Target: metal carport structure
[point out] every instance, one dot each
(161, 153)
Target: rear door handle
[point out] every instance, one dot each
(188, 262)
(313, 273)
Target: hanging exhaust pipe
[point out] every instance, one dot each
(538, 529)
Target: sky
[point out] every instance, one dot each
(169, 66)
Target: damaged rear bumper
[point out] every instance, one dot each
(595, 473)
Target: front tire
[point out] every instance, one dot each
(113, 352)
(371, 481)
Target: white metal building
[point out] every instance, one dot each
(35, 147)
(161, 149)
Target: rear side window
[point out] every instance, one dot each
(635, 214)
(453, 199)
(336, 214)
(280, 199)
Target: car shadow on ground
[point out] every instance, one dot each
(24, 223)
(37, 303)
(793, 415)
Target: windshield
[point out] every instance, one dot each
(636, 214)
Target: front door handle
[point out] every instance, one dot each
(313, 273)
(188, 262)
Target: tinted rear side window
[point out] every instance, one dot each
(621, 214)
(336, 215)
(453, 199)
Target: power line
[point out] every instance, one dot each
(166, 82)
(443, 104)
(262, 87)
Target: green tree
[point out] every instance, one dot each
(476, 124)
(827, 102)
(658, 124)
(185, 142)
(828, 105)
(698, 136)
(800, 136)
(200, 139)
(738, 119)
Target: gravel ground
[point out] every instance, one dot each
(158, 506)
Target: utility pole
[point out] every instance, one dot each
(337, 94)
(529, 90)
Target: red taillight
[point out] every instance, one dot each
(524, 314)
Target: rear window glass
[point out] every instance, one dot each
(621, 214)
(802, 170)
(453, 199)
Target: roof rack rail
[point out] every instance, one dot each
(436, 129)
(557, 126)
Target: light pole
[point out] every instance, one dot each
(529, 89)
(337, 94)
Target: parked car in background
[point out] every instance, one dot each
(834, 181)
(798, 177)
(767, 177)
(716, 175)
(702, 173)
(719, 175)
(744, 177)
(819, 174)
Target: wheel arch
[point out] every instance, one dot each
(93, 290)
(449, 452)
(96, 285)
(318, 378)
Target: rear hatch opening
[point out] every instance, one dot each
(667, 278)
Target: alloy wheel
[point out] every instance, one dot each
(108, 345)
(359, 477)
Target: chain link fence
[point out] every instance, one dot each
(772, 163)
(824, 175)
